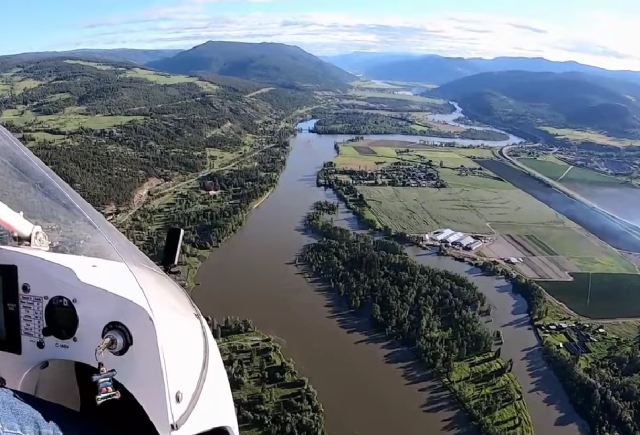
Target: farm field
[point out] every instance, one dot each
(557, 170)
(599, 295)
(552, 249)
(466, 209)
(392, 96)
(365, 154)
(67, 122)
(581, 248)
(590, 136)
(609, 193)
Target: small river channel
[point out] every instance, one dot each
(366, 385)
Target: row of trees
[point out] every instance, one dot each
(606, 390)
(433, 311)
(259, 377)
(353, 122)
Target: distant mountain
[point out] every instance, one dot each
(438, 69)
(114, 55)
(529, 100)
(280, 64)
(360, 61)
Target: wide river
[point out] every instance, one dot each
(366, 385)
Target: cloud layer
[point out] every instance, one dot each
(594, 38)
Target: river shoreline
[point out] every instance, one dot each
(252, 275)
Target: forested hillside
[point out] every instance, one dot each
(108, 129)
(139, 56)
(534, 100)
(436, 69)
(280, 64)
(152, 150)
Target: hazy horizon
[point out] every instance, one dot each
(584, 31)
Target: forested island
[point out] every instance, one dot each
(362, 123)
(434, 312)
(270, 396)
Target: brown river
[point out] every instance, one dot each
(366, 385)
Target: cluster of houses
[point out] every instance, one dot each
(398, 174)
(409, 175)
(578, 336)
(449, 237)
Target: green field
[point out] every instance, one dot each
(547, 168)
(16, 84)
(152, 76)
(583, 249)
(96, 65)
(167, 79)
(599, 295)
(371, 85)
(588, 136)
(68, 122)
(414, 98)
(467, 209)
(557, 170)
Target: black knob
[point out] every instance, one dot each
(47, 331)
(40, 344)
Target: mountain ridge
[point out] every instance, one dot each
(275, 63)
(138, 56)
(436, 69)
(532, 101)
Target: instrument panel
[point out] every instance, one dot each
(32, 316)
(10, 330)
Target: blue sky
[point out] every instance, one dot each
(582, 30)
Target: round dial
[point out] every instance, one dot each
(61, 318)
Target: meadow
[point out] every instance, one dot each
(558, 170)
(466, 209)
(392, 96)
(584, 250)
(588, 136)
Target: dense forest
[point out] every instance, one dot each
(108, 129)
(362, 123)
(158, 130)
(435, 313)
(432, 310)
(606, 392)
(209, 219)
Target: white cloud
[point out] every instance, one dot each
(603, 39)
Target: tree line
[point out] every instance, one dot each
(353, 122)
(433, 311)
(269, 395)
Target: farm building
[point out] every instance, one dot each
(454, 237)
(466, 241)
(473, 246)
(440, 235)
